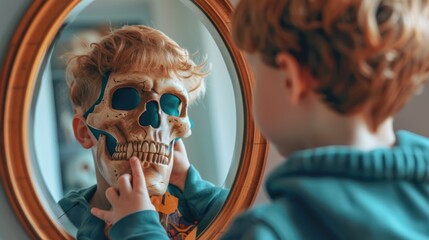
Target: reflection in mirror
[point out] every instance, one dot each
(215, 145)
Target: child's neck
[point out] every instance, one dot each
(355, 133)
(99, 199)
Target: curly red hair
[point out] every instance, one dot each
(135, 48)
(365, 55)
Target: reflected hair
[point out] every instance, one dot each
(134, 48)
(365, 56)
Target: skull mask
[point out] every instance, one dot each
(136, 115)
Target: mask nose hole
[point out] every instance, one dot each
(151, 115)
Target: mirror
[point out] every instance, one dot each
(37, 119)
(217, 117)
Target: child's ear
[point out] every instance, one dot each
(293, 80)
(82, 132)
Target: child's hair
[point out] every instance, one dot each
(131, 49)
(366, 55)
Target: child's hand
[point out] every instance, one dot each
(132, 196)
(180, 166)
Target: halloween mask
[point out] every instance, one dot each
(138, 115)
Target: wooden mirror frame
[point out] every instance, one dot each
(27, 48)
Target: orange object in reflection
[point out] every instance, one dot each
(166, 204)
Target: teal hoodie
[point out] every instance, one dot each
(200, 201)
(345, 193)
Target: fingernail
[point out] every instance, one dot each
(134, 159)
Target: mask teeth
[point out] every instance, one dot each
(147, 151)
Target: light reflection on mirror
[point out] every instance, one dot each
(213, 148)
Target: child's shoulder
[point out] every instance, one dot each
(411, 139)
(275, 216)
(74, 197)
(279, 219)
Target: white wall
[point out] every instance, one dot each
(45, 135)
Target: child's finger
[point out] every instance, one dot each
(138, 180)
(112, 195)
(179, 145)
(124, 183)
(106, 216)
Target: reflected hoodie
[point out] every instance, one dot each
(200, 201)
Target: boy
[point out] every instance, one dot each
(329, 77)
(130, 94)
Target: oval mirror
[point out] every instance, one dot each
(41, 160)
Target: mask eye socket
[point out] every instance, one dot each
(126, 98)
(170, 104)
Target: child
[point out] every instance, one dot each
(329, 77)
(130, 94)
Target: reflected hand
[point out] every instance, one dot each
(131, 196)
(180, 166)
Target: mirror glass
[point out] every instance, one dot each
(215, 145)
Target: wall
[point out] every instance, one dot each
(10, 12)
